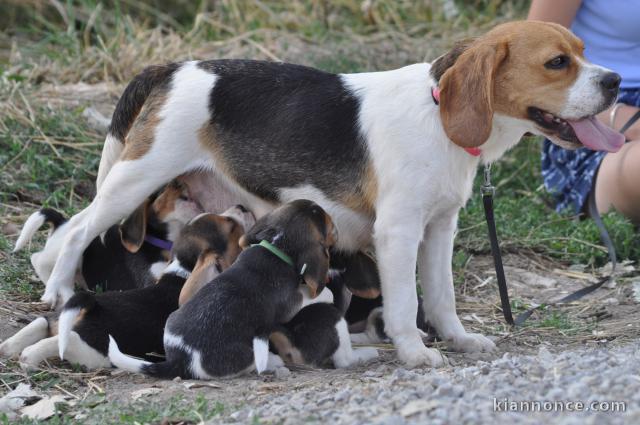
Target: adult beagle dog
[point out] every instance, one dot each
(206, 246)
(224, 329)
(391, 156)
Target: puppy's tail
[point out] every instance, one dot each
(261, 353)
(35, 222)
(127, 109)
(163, 370)
(79, 302)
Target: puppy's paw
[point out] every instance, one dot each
(274, 361)
(416, 354)
(364, 354)
(29, 359)
(50, 298)
(471, 343)
(9, 350)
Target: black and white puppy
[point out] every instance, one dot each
(355, 283)
(136, 317)
(129, 255)
(317, 334)
(224, 330)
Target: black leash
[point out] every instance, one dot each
(487, 200)
(629, 123)
(488, 190)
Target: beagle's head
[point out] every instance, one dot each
(305, 232)
(164, 213)
(534, 74)
(208, 245)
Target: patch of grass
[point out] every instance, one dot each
(15, 274)
(47, 155)
(525, 216)
(96, 411)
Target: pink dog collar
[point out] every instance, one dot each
(435, 95)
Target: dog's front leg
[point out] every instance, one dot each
(436, 278)
(397, 234)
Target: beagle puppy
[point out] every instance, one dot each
(355, 284)
(317, 334)
(261, 290)
(129, 255)
(207, 245)
(391, 155)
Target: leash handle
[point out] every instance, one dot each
(488, 190)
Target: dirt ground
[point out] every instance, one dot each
(608, 317)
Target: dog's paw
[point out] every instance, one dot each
(471, 343)
(364, 354)
(416, 355)
(29, 359)
(50, 298)
(9, 350)
(273, 362)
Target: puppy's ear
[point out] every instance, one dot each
(134, 228)
(243, 242)
(206, 269)
(466, 93)
(361, 276)
(313, 262)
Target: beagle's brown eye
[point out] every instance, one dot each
(559, 62)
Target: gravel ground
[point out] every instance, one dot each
(391, 395)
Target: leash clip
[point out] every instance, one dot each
(487, 188)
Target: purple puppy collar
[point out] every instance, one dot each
(159, 243)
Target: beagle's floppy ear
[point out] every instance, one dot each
(466, 93)
(206, 269)
(313, 263)
(134, 228)
(244, 242)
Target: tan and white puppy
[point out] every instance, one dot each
(390, 163)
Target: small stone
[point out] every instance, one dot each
(344, 395)
(394, 419)
(445, 390)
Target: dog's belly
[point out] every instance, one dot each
(354, 228)
(217, 194)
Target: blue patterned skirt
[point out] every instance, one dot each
(568, 174)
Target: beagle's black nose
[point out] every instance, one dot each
(610, 81)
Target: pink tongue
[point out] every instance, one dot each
(597, 136)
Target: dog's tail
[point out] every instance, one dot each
(127, 109)
(164, 370)
(35, 222)
(111, 151)
(79, 302)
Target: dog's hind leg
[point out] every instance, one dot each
(166, 140)
(79, 352)
(29, 335)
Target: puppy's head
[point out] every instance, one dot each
(535, 74)
(305, 232)
(208, 245)
(165, 213)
